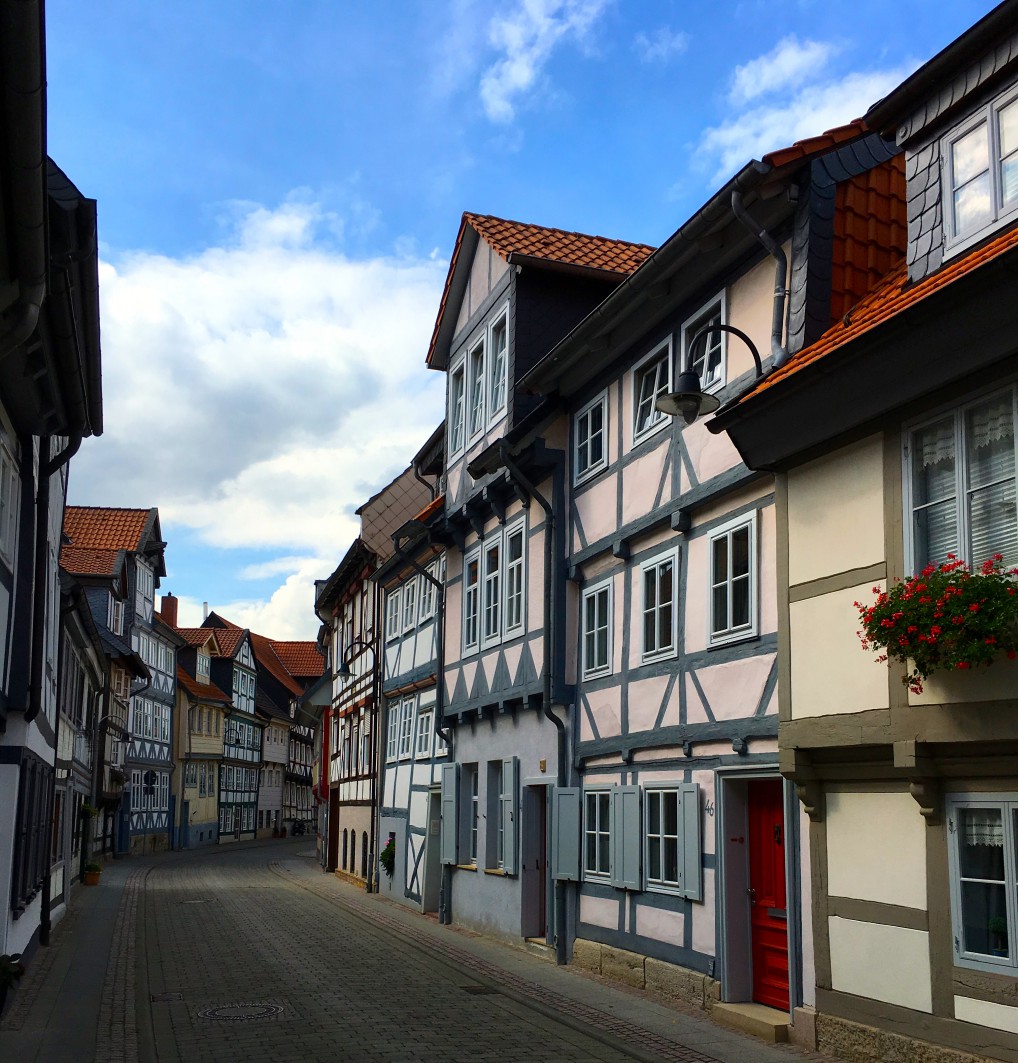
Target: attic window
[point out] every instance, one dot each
(981, 171)
(203, 665)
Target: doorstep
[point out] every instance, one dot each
(769, 1024)
(540, 948)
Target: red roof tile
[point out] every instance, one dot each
(197, 636)
(892, 296)
(301, 659)
(86, 561)
(813, 145)
(554, 246)
(205, 691)
(265, 655)
(105, 529)
(431, 508)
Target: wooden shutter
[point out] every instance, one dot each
(626, 840)
(692, 843)
(565, 833)
(510, 812)
(450, 820)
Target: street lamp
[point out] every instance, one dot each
(343, 671)
(689, 401)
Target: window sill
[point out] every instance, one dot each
(591, 474)
(599, 673)
(500, 871)
(661, 655)
(721, 641)
(466, 867)
(653, 430)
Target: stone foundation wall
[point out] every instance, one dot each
(866, 1044)
(643, 972)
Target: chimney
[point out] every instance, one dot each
(168, 609)
(205, 610)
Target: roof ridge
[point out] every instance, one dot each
(471, 216)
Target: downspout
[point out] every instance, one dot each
(779, 353)
(432, 487)
(376, 690)
(517, 475)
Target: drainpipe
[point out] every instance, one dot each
(516, 473)
(376, 690)
(778, 350)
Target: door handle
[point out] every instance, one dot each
(751, 894)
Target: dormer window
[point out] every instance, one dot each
(116, 616)
(981, 171)
(204, 665)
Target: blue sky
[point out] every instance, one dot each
(280, 184)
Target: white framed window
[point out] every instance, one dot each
(596, 833)
(410, 604)
(191, 774)
(492, 578)
(983, 868)
(429, 593)
(659, 579)
(661, 839)
(9, 503)
(981, 171)
(476, 383)
(733, 580)
(115, 618)
(457, 407)
(710, 355)
(498, 346)
(393, 613)
(515, 578)
(203, 666)
(651, 379)
(596, 609)
(146, 587)
(960, 483)
(590, 438)
(422, 748)
(475, 810)
(471, 598)
(406, 728)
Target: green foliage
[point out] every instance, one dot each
(945, 619)
(93, 867)
(387, 857)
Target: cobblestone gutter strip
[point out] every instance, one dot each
(36, 976)
(636, 1039)
(117, 1032)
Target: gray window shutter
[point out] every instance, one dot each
(692, 844)
(450, 806)
(565, 833)
(510, 813)
(626, 839)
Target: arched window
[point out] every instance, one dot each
(344, 849)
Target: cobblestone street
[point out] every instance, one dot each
(253, 953)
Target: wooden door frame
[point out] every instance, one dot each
(733, 930)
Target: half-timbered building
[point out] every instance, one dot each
(512, 291)
(893, 439)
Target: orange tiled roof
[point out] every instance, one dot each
(892, 296)
(197, 636)
(265, 655)
(302, 659)
(205, 691)
(104, 528)
(87, 561)
(536, 241)
(813, 145)
(431, 508)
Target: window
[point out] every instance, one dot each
(429, 592)
(733, 580)
(499, 364)
(473, 816)
(659, 610)
(471, 599)
(392, 614)
(981, 170)
(145, 580)
(596, 832)
(9, 482)
(204, 665)
(492, 590)
(709, 357)
(982, 831)
(115, 616)
(424, 729)
(514, 575)
(961, 483)
(191, 774)
(590, 439)
(406, 728)
(409, 604)
(662, 838)
(597, 619)
(457, 407)
(652, 378)
(475, 366)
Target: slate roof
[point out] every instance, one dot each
(205, 691)
(105, 528)
(89, 561)
(810, 146)
(301, 659)
(890, 297)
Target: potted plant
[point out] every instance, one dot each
(11, 970)
(948, 618)
(87, 811)
(997, 927)
(92, 871)
(387, 857)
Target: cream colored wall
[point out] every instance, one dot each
(750, 308)
(836, 512)
(876, 848)
(986, 1013)
(830, 671)
(995, 683)
(887, 963)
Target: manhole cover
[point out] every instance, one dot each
(479, 990)
(240, 1012)
(158, 998)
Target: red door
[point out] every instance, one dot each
(768, 915)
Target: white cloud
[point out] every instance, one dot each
(258, 392)
(812, 110)
(661, 45)
(526, 40)
(790, 62)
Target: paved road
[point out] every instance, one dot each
(252, 954)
